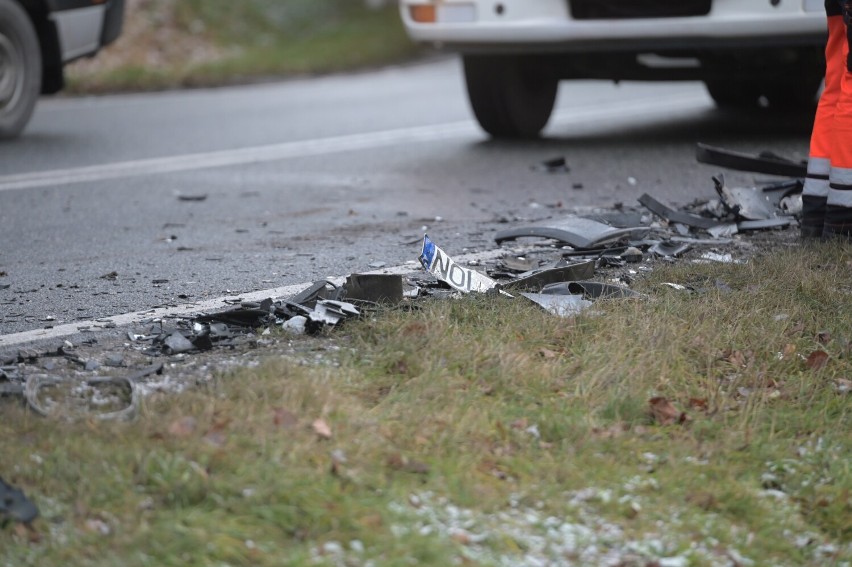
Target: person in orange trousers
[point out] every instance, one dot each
(827, 195)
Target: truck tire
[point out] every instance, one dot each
(510, 96)
(20, 69)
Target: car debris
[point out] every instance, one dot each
(578, 232)
(84, 397)
(674, 216)
(15, 506)
(750, 203)
(543, 276)
(590, 290)
(566, 305)
(553, 165)
(765, 162)
(670, 249)
(375, 288)
(439, 264)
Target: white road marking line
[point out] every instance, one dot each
(643, 108)
(66, 330)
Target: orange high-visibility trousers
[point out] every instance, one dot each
(822, 156)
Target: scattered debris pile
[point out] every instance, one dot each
(556, 270)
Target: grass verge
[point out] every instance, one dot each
(170, 44)
(485, 431)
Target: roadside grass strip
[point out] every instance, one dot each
(695, 427)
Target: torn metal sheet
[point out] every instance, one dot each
(440, 265)
(15, 506)
(377, 288)
(590, 290)
(578, 232)
(669, 249)
(765, 162)
(537, 279)
(749, 203)
(561, 305)
(674, 216)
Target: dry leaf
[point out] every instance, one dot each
(703, 500)
(321, 428)
(796, 329)
(664, 412)
(27, 532)
(402, 463)
(817, 360)
(698, 404)
(612, 432)
(548, 354)
(183, 427)
(789, 350)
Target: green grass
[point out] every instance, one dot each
(241, 41)
(485, 417)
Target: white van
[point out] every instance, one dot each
(747, 52)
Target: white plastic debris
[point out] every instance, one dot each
(295, 325)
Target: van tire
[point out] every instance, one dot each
(20, 69)
(510, 95)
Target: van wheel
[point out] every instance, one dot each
(511, 96)
(796, 95)
(20, 69)
(734, 94)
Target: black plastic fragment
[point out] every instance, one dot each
(672, 215)
(15, 506)
(765, 162)
(377, 288)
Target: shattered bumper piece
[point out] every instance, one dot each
(577, 232)
(561, 305)
(767, 163)
(14, 505)
(440, 265)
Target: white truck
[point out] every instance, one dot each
(515, 52)
(37, 39)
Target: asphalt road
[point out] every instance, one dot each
(317, 177)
